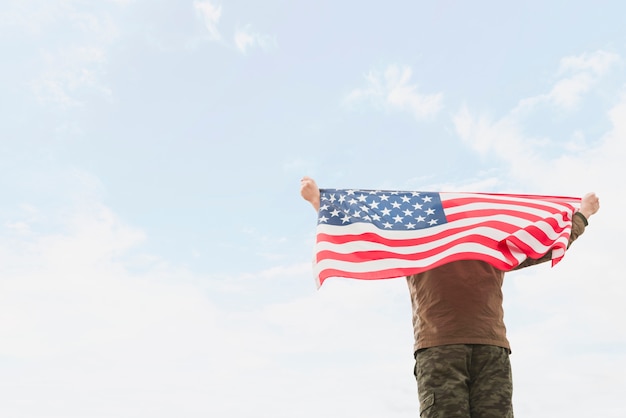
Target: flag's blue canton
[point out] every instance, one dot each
(400, 211)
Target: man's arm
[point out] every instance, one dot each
(589, 205)
(310, 192)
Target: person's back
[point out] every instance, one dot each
(458, 303)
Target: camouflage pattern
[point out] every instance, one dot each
(464, 381)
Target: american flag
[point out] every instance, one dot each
(377, 234)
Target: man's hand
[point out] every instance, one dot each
(310, 192)
(589, 204)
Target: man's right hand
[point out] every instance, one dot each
(589, 204)
(310, 192)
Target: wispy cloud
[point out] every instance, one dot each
(69, 66)
(393, 90)
(596, 63)
(506, 137)
(577, 76)
(33, 16)
(68, 73)
(83, 304)
(245, 38)
(39, 17)
(210, 15)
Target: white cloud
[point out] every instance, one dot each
(597, 63)
(70, 67)
(39, 18)
(393, 90)
(506, 139)
(72, 311)
(578, 76)
(568, 92)
(245, 39)
(33, 16)
(210, 15)
(69, 73)
(486, 135)
(95, 327)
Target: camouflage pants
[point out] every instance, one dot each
(464, 381)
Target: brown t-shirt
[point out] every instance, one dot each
(461, 302)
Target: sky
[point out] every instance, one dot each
(155, 253)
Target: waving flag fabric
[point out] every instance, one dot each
(373, 234)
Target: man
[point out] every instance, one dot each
(461, 351)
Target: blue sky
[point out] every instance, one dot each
(155, 254)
